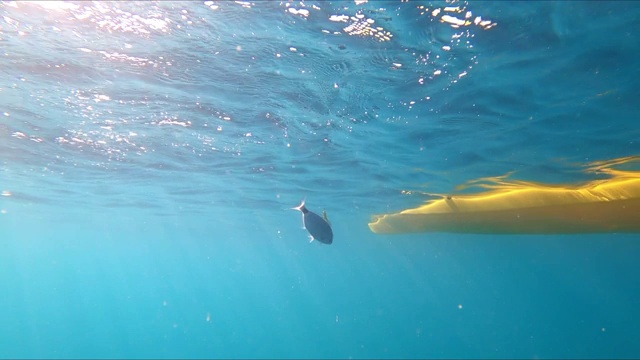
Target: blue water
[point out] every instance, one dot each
(150, 154)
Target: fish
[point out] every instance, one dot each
(318, 226)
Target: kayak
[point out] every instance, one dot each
(601, 206)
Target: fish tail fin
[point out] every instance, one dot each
(301, 206)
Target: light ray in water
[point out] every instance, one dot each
(517, 207)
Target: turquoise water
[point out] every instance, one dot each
(151, 152)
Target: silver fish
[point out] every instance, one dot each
(318, 226)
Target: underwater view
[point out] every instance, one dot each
(320, 179)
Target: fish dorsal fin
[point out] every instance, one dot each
(324, 216)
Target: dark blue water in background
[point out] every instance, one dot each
(150, 154)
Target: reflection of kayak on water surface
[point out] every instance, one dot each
(600, 206)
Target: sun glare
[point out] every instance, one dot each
(52, 5)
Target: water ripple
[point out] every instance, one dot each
(247, 103)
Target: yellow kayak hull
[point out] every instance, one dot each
(604, 206)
